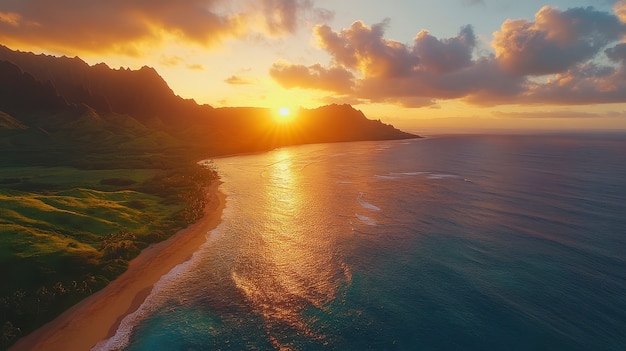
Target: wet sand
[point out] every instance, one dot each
(98, 316)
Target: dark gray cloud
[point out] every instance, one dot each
(617, 53)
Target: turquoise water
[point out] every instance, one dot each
(445, 243)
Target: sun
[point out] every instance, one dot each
(284, 115)
(284, 111)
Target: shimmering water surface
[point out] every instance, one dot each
(444, 243)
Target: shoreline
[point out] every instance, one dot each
(98, 316)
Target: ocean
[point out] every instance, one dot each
(459, 242)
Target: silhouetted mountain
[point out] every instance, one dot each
(82, 113)
(141, 93)
(22, 95)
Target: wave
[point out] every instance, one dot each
(428, 175)
(386, 177)
(410, 173)
(160, 291)
(436, 176)
(366, 204)
(366, 220)
(369, 206)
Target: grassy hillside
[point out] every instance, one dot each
(67, 232)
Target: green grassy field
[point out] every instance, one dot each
(66, 232)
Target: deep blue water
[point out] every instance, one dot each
(475, 242)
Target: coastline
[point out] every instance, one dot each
(98, 316)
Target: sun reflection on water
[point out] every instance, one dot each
(289, 264)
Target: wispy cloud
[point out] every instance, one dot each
(175, 60)
(10, 18)
(547, 114)
(238, 80)
(170, 60)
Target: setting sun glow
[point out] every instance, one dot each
(284, 111)
(284, 115)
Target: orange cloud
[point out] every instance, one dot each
(126, 26)
(238, 80)
(280, 15)
(555, 41)
(576, 53)
(120, 26)
(195, 67)
(556, 114)
(170, 60)
(176, 60)
(334, 79)
(364, 48)
(620, 10)
(381, 70)
(10, 18)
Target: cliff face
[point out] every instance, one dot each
(135, 112)
(140, 93)
(23, 95)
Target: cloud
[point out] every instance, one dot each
(562, 57)
(547, 114)
(170, 60)
(445, 55)
(281, 16)
(121, 26)
(617, 53)
(335, 79)
(620, 10)
(588, 83)
(127, 26)
(176, 60)
(555, 41)
(363, 48)
(473, 2)
(10, 18)
(238, 80)
(195, 67)
(382, 70)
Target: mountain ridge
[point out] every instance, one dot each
(39, 88)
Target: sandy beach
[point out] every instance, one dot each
(98, 316)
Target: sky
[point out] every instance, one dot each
(420, 65)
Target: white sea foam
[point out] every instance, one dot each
(369, 206)
(385, 177)
(428, 175)
(441, 176)
(412, 173)
(170, 280)
(366, 204)
(366, 220)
